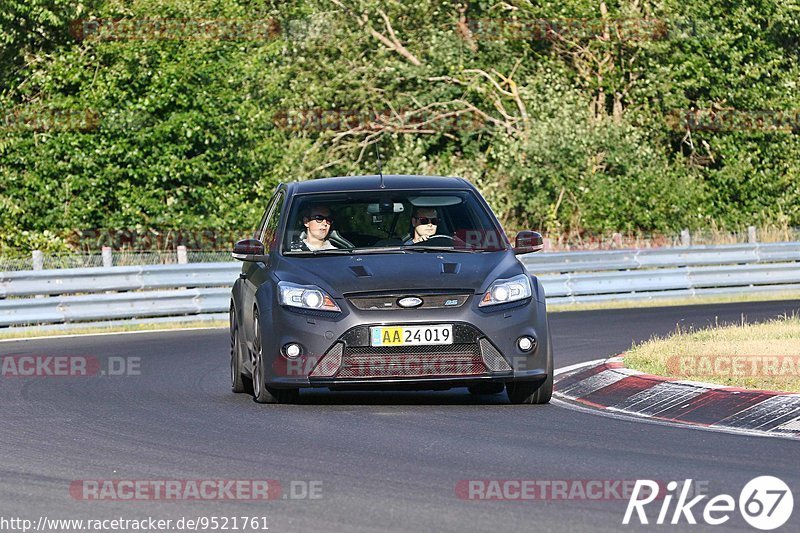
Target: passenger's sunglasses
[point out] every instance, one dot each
(426, 220)
(320, 218)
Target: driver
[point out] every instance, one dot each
(317, 221)
(424, 222)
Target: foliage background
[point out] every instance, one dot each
(568, 134)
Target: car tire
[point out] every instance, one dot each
(239, 383)
(533, 393)
(262, 393)
(486, 388)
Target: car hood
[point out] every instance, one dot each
(340, 275)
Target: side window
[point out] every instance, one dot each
(260, 228)
(269, 231)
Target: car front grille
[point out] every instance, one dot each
(390, 302)
(353, 357)
(462, 359)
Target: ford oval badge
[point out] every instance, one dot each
(411, 301)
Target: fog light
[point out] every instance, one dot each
(525, 343)
(292, 350)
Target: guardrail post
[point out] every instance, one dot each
(751, 234)
(183, 257)
(38, 260)
(108, 260)
(686, 238)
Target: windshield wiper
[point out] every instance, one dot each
(418, 248)
(330, 251)
(380, 250)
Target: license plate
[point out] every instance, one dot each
(411, 335)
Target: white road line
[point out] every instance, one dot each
(792, 425)
(576, 366)
(592, 383)
(103, 334)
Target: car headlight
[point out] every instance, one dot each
(507, 290)
(305, 296)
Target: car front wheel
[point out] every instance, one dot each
(238, 382)
(533, 393)
(262, 393)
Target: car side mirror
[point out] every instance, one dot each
(249, 250)
(527, 242)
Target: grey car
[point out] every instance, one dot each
(387, 282)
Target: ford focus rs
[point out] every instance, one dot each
(387, 282)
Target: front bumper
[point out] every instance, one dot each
(336, 351)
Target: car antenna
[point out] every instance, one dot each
(380, 171)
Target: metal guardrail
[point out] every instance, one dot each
(114, 306)
(662, 257)
(677, 282)
(128, 278)
(583, 277)
(84, 294)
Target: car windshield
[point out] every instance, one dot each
(391, 222)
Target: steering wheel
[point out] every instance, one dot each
(433, 238)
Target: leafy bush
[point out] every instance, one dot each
(561, 132)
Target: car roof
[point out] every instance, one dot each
(373, 183)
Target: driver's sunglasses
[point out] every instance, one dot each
(320, 218)
(426, 220)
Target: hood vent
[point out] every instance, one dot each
(360, 271)
(451, 268)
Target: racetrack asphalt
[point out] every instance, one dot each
(385, 460)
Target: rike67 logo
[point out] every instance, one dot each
(765, 503)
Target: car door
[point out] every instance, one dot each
(254, 274)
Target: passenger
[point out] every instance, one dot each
(318, 221)
(424, 222)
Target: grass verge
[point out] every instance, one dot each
(762, 356)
